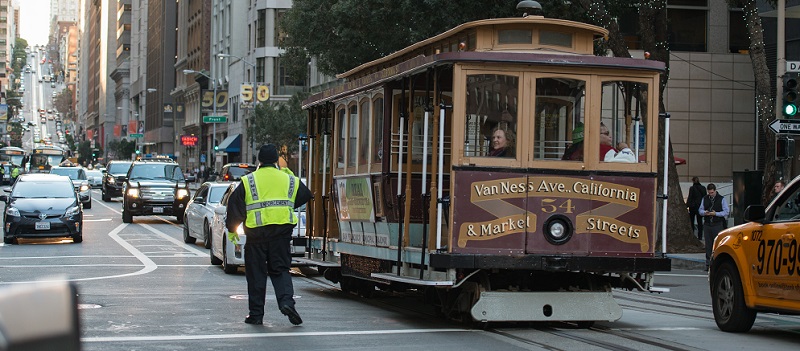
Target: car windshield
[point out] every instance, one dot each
(237, 172)
(156, 171)
(72, 173)
(43, 189)
(215, 194)
(120, 167)
(96, 174)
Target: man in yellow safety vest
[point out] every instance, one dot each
(265, 203)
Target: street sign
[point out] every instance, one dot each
(215, 119)
(792, 66)
(785, 126)
(136, 135)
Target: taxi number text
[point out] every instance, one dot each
(773, 255)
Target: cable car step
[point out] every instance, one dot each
(307, 262)
(409, 280)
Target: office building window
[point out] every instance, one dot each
(687, 28)
(737, 32)
(285, 84)
(261, 29)
(260, 64)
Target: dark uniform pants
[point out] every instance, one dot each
(271, 258)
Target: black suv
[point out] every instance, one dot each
(154, 188)
(114, 178)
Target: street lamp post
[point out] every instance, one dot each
(222, 56)
(214, 135)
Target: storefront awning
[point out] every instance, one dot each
(232, 143)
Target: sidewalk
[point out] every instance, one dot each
(692, 261)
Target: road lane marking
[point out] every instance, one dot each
(177, 242)
(98, 220)
(270, 335)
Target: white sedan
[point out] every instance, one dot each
(223, 252)
(95, 178)
(200, 212)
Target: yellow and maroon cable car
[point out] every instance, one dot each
(499, 166)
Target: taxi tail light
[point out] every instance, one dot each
(226, 177)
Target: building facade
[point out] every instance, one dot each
(121, 73)
(159, 121)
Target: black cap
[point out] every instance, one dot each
(268, 154)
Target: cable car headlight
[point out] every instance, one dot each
(557, 230)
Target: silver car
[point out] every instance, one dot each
(223, 252)
(79, 181)
(95, 178)
(200, 212)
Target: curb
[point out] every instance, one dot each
(684, 262)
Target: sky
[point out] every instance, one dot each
(34, 17)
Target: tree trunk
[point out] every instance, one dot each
(765, 104)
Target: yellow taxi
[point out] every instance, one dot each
(755, 267)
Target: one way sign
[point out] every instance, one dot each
(785, 126)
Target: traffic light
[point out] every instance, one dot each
(789, 95)
(784, 148)
(216, 148)
(138, 152)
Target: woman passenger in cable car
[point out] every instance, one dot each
(502, 141)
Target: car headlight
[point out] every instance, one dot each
(84, 188)
(72, 211)
(133, 192)
(182, 193)
(12, 211)
(240, 229)
(111, 179)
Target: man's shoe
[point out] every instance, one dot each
(290, 312)
(253, 320)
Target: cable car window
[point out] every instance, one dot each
(559, 118)
(363, 139)
(555, 38)
(352, 148)
(623, 120)
(377, 131)
(491, 115)
(342, 142)
(514, 36)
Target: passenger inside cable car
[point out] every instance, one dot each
(503, 141)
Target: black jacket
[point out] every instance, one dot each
(237, 214)
(696, 193)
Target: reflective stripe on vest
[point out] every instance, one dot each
(267, 200)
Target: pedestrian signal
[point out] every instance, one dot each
(784, 148)
(789, 95)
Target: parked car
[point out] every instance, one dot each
(200, 212)
(95, 178)
(222, 251)
(79, 180)
(755, 265)
(41, 206)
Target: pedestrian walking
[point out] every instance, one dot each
(265, 201)
(777, 188)
(696, 193)
(714, 209)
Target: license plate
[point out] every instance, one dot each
(158, 210)
(42, 225)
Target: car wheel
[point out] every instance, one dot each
(77, 238)
(727, 300)
(206, 235)
(227, 267)
(88, 205)
(214, 260)
(9, 240)
(127, 217)
(106, 197)
(186, 237)
(179, 217)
